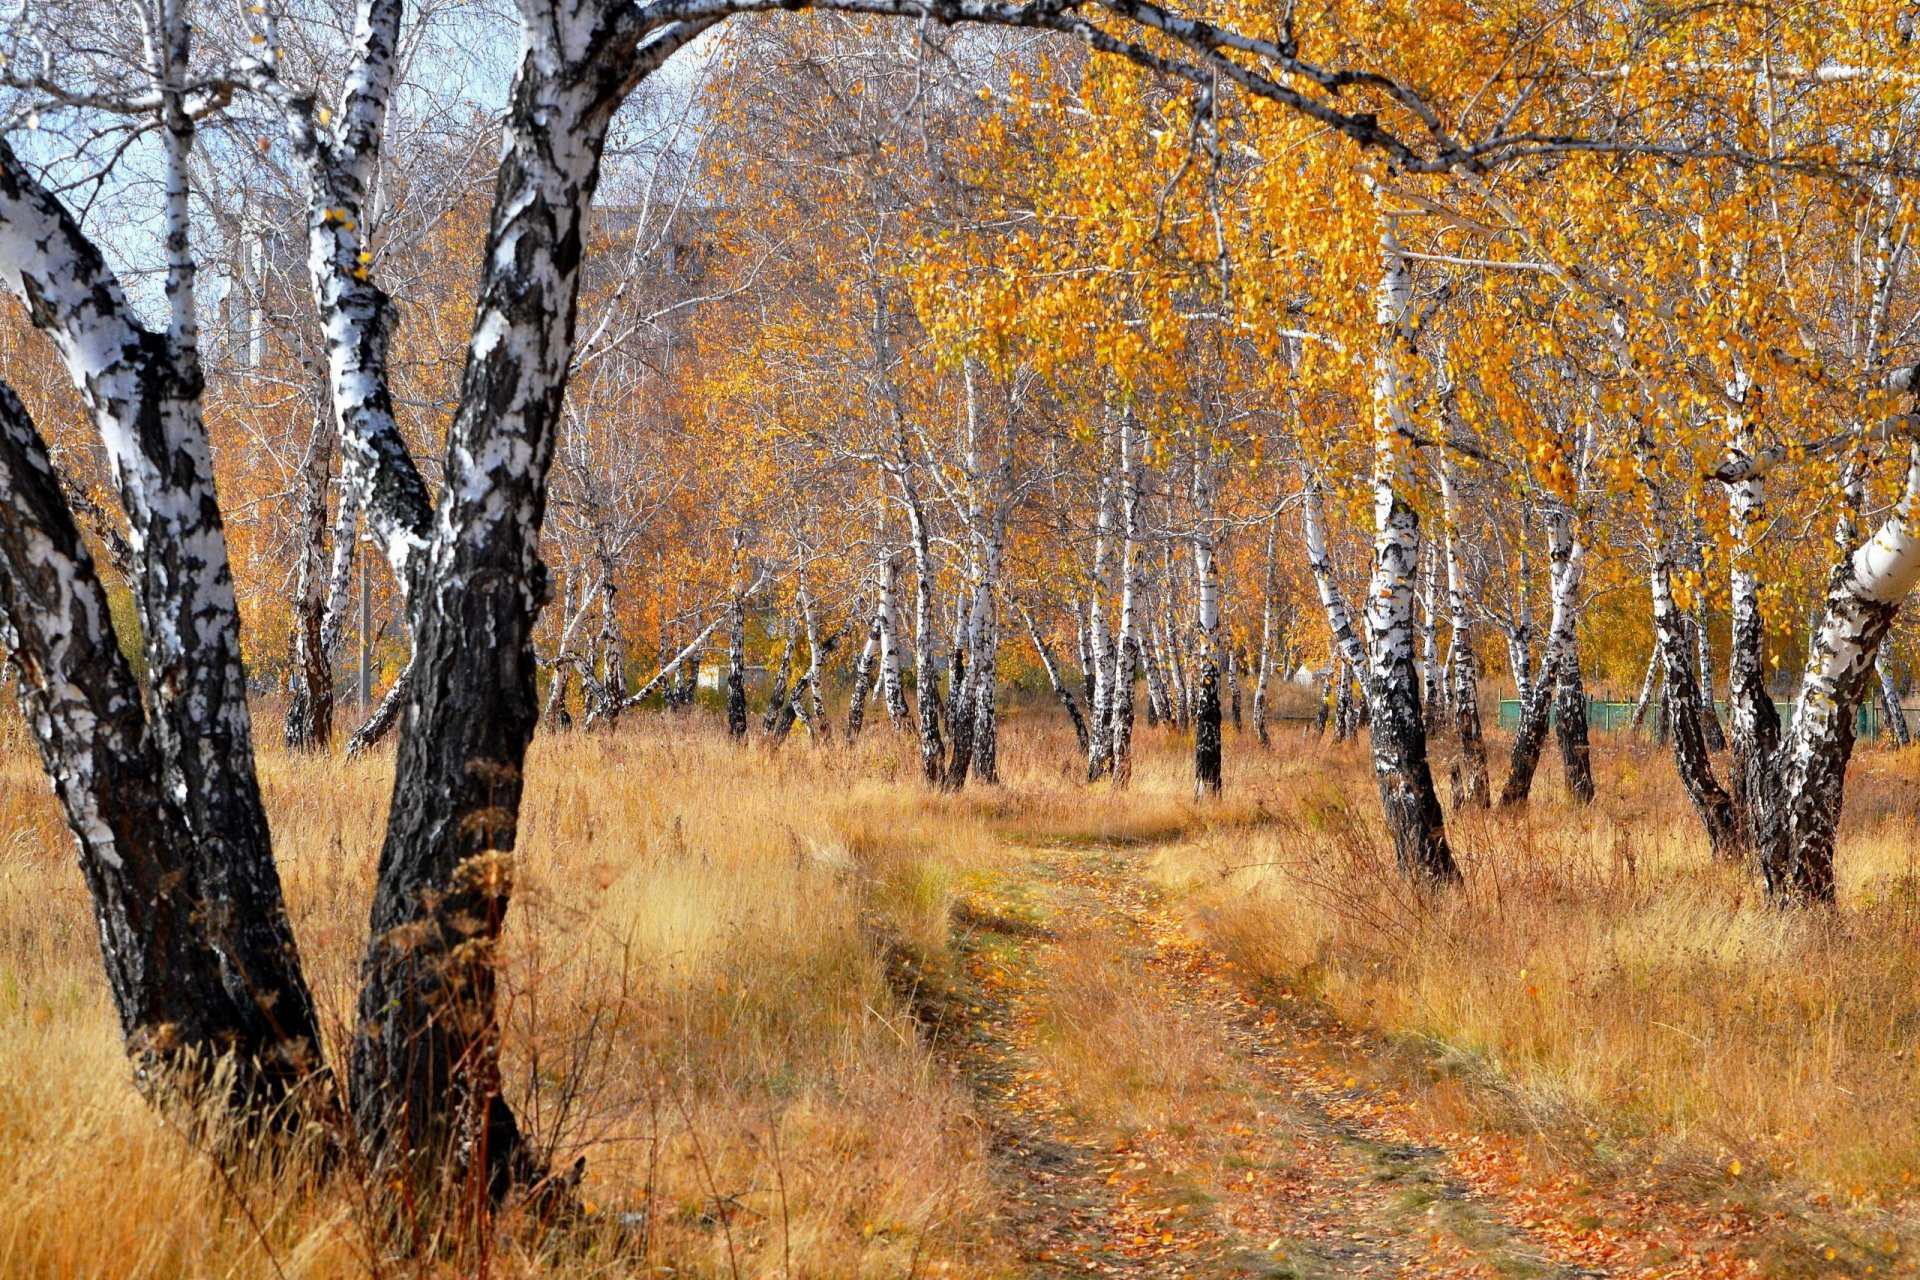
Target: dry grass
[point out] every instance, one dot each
(1630, 1001)
(699, 1008)
(694, 1008)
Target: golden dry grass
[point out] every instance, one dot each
(1630, 1001)
(697, 1003)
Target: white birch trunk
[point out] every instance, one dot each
(1099, 643)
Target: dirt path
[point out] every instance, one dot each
(1154, 1119)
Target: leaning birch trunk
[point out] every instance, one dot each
(1407, 796)
(1180, 692)
(1644, 702)
(782, 691)
(1863, 594)
(141, 390)
(1206, 681)
(1061, 689)
(863, 679)
(1683, 713)
(384, 716)
(688, 659)
(1473, 788)
(1159, 706)
(178, 1013)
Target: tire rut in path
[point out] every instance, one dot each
(1150, 1120)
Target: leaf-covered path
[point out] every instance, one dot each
(1153, 1118)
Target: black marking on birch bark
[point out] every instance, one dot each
(425, 1057)
(143, 395)
(80, 699)
(1570, 724)
(384, 716)
(863, 678)
(1683, 719)
(737, 670)
(1206, 727)
(1797, 866)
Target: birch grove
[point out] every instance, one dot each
(927, 373)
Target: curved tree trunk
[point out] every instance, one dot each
(142, 389)
(1863, 595)
(863, 680)
(1684, 716)
(178, 1012)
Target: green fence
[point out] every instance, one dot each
(1614, 716)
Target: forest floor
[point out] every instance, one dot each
(1155, 1114)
